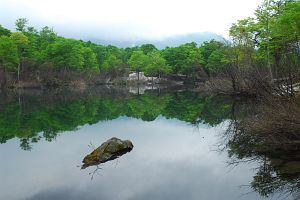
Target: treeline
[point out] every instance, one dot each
(44, 47)
(263, 51)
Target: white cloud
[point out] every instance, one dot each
(127, 19)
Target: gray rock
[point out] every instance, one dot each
(109, 150)
(141, 77)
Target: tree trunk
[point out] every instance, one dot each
(291, 83)
(18, 72)
(233, 83)
(4, 82)
(277, 62)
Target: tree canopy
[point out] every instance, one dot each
(268, 40)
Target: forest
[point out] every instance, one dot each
(262, 55)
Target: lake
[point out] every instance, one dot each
(182, 149)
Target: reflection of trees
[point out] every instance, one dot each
(268, 133)
(46, 120)
(196, 109)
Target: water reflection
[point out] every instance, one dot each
(27, 116)
(170, 160)
(257, 134)
(174, 132)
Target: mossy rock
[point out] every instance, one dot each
(109, 150)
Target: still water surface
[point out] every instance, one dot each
(177, 154)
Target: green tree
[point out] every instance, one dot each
(192, 59)
(208, 47)
(9, 58)
(148, 48)
(214, 56)
(245, 38)
(217, 61)
(66, 53)
(156, 65)
(138, 61)
(185, 59)
(90, 59)
(172, 57)
(21, 42)
(128, 52)
(46, 36)
(4, 31)
(284, 42)
(111, 63)
(21, 24)
(99, 51)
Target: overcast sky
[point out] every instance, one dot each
(128, 19)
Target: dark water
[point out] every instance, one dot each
(180, 149)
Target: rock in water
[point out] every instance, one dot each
(109, 150)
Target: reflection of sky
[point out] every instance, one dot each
(170, 160)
